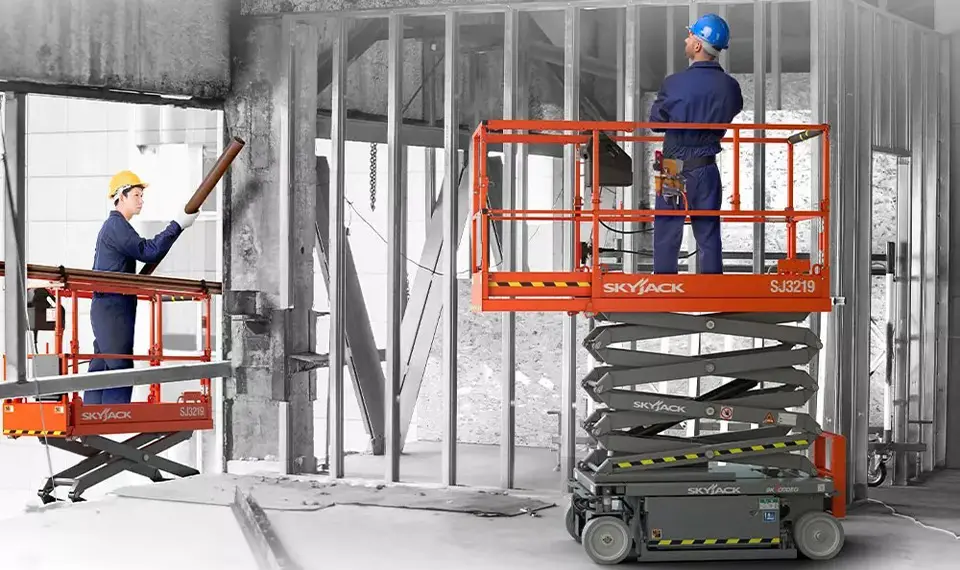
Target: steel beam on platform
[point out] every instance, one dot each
(66, 383)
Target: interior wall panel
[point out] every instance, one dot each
(879, 81)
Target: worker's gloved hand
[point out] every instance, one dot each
(185, 220)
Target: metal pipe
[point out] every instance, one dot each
(207, 185)
(171, 285)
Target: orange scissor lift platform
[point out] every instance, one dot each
(65, 422)
(644, 491)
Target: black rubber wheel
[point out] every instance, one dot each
(818, 535)
(876, 477)
(607, 540)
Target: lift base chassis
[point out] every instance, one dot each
(646, 491)
(703, 518)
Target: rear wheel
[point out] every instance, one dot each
(574, 522)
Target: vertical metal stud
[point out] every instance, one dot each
(451, 130)
(337, 264)
(776, 59)
(568, 375)
(511, 56)
(15, 234)
(632, 109)
(723, 11)
(395, 222)
(522, 111)
(759, 116)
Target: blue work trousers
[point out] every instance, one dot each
(113, 319)
(704, 192)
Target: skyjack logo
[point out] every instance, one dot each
(642, 287)
(105, 415)
(714, 489)
(659, 406)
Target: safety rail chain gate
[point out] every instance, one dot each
(66, 422)
(632, 307)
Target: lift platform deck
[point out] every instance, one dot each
(64, 421)
(644, 491)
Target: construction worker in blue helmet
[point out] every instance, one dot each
(119, 248)
(701, 93)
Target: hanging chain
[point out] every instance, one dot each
(373, 176)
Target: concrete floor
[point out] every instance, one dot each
(159, 535)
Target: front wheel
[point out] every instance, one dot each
(818, 535)
(607, 540)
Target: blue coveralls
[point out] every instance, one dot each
(702, 93)
(113, 316)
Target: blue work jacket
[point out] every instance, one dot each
(120, 247)
(702, 93)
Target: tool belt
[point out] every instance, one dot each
(669, 181)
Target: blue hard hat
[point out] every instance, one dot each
(713, 30)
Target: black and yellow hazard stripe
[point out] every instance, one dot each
(540, 284)
(764, 447)
(703, 455)
(34, 432)
(716, 542)
(661, 460)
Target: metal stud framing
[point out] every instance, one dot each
(396, 223)
(451, 233)
(511, 64)
(337, 245)
(568, 367)
(15, 234)
(900, 110)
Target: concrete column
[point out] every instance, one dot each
(269, 235)
(948, 22)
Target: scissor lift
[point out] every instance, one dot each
(643, 491)
(65, 422)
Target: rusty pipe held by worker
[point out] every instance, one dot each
(207, 185)
(213, 177)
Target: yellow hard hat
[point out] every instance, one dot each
(123, 180)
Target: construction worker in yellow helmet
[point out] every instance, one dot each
(119, 248)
